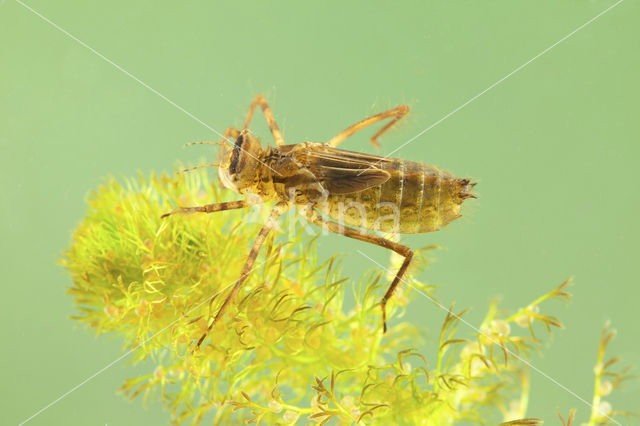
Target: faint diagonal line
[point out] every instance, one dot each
(496, 83)
(121, 357)
(495, 342)
(100, 55)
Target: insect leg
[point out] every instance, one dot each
(314, 217)
(216, 207)
(234, 133)
(277, 211)
(397, 113)
(271, 121)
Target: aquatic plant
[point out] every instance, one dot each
(290, 349)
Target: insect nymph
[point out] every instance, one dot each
(345, 192)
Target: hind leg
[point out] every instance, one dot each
(277, 211)
(395, 114)
(314, 217)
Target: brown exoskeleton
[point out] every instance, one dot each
(359, 190)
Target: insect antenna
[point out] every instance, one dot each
(200, 167)
(204, 143)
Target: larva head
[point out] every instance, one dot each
(239, 164)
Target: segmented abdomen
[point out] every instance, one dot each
(417, 198)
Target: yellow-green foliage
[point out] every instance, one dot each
(287, 351)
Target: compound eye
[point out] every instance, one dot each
(235, 155)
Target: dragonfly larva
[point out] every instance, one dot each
(341, 191)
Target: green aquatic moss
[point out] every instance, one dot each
(289, 350)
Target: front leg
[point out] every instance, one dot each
(268, 115)
(211, 208)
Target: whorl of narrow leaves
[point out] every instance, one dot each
(289, 349)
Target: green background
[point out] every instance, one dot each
(553, 147)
